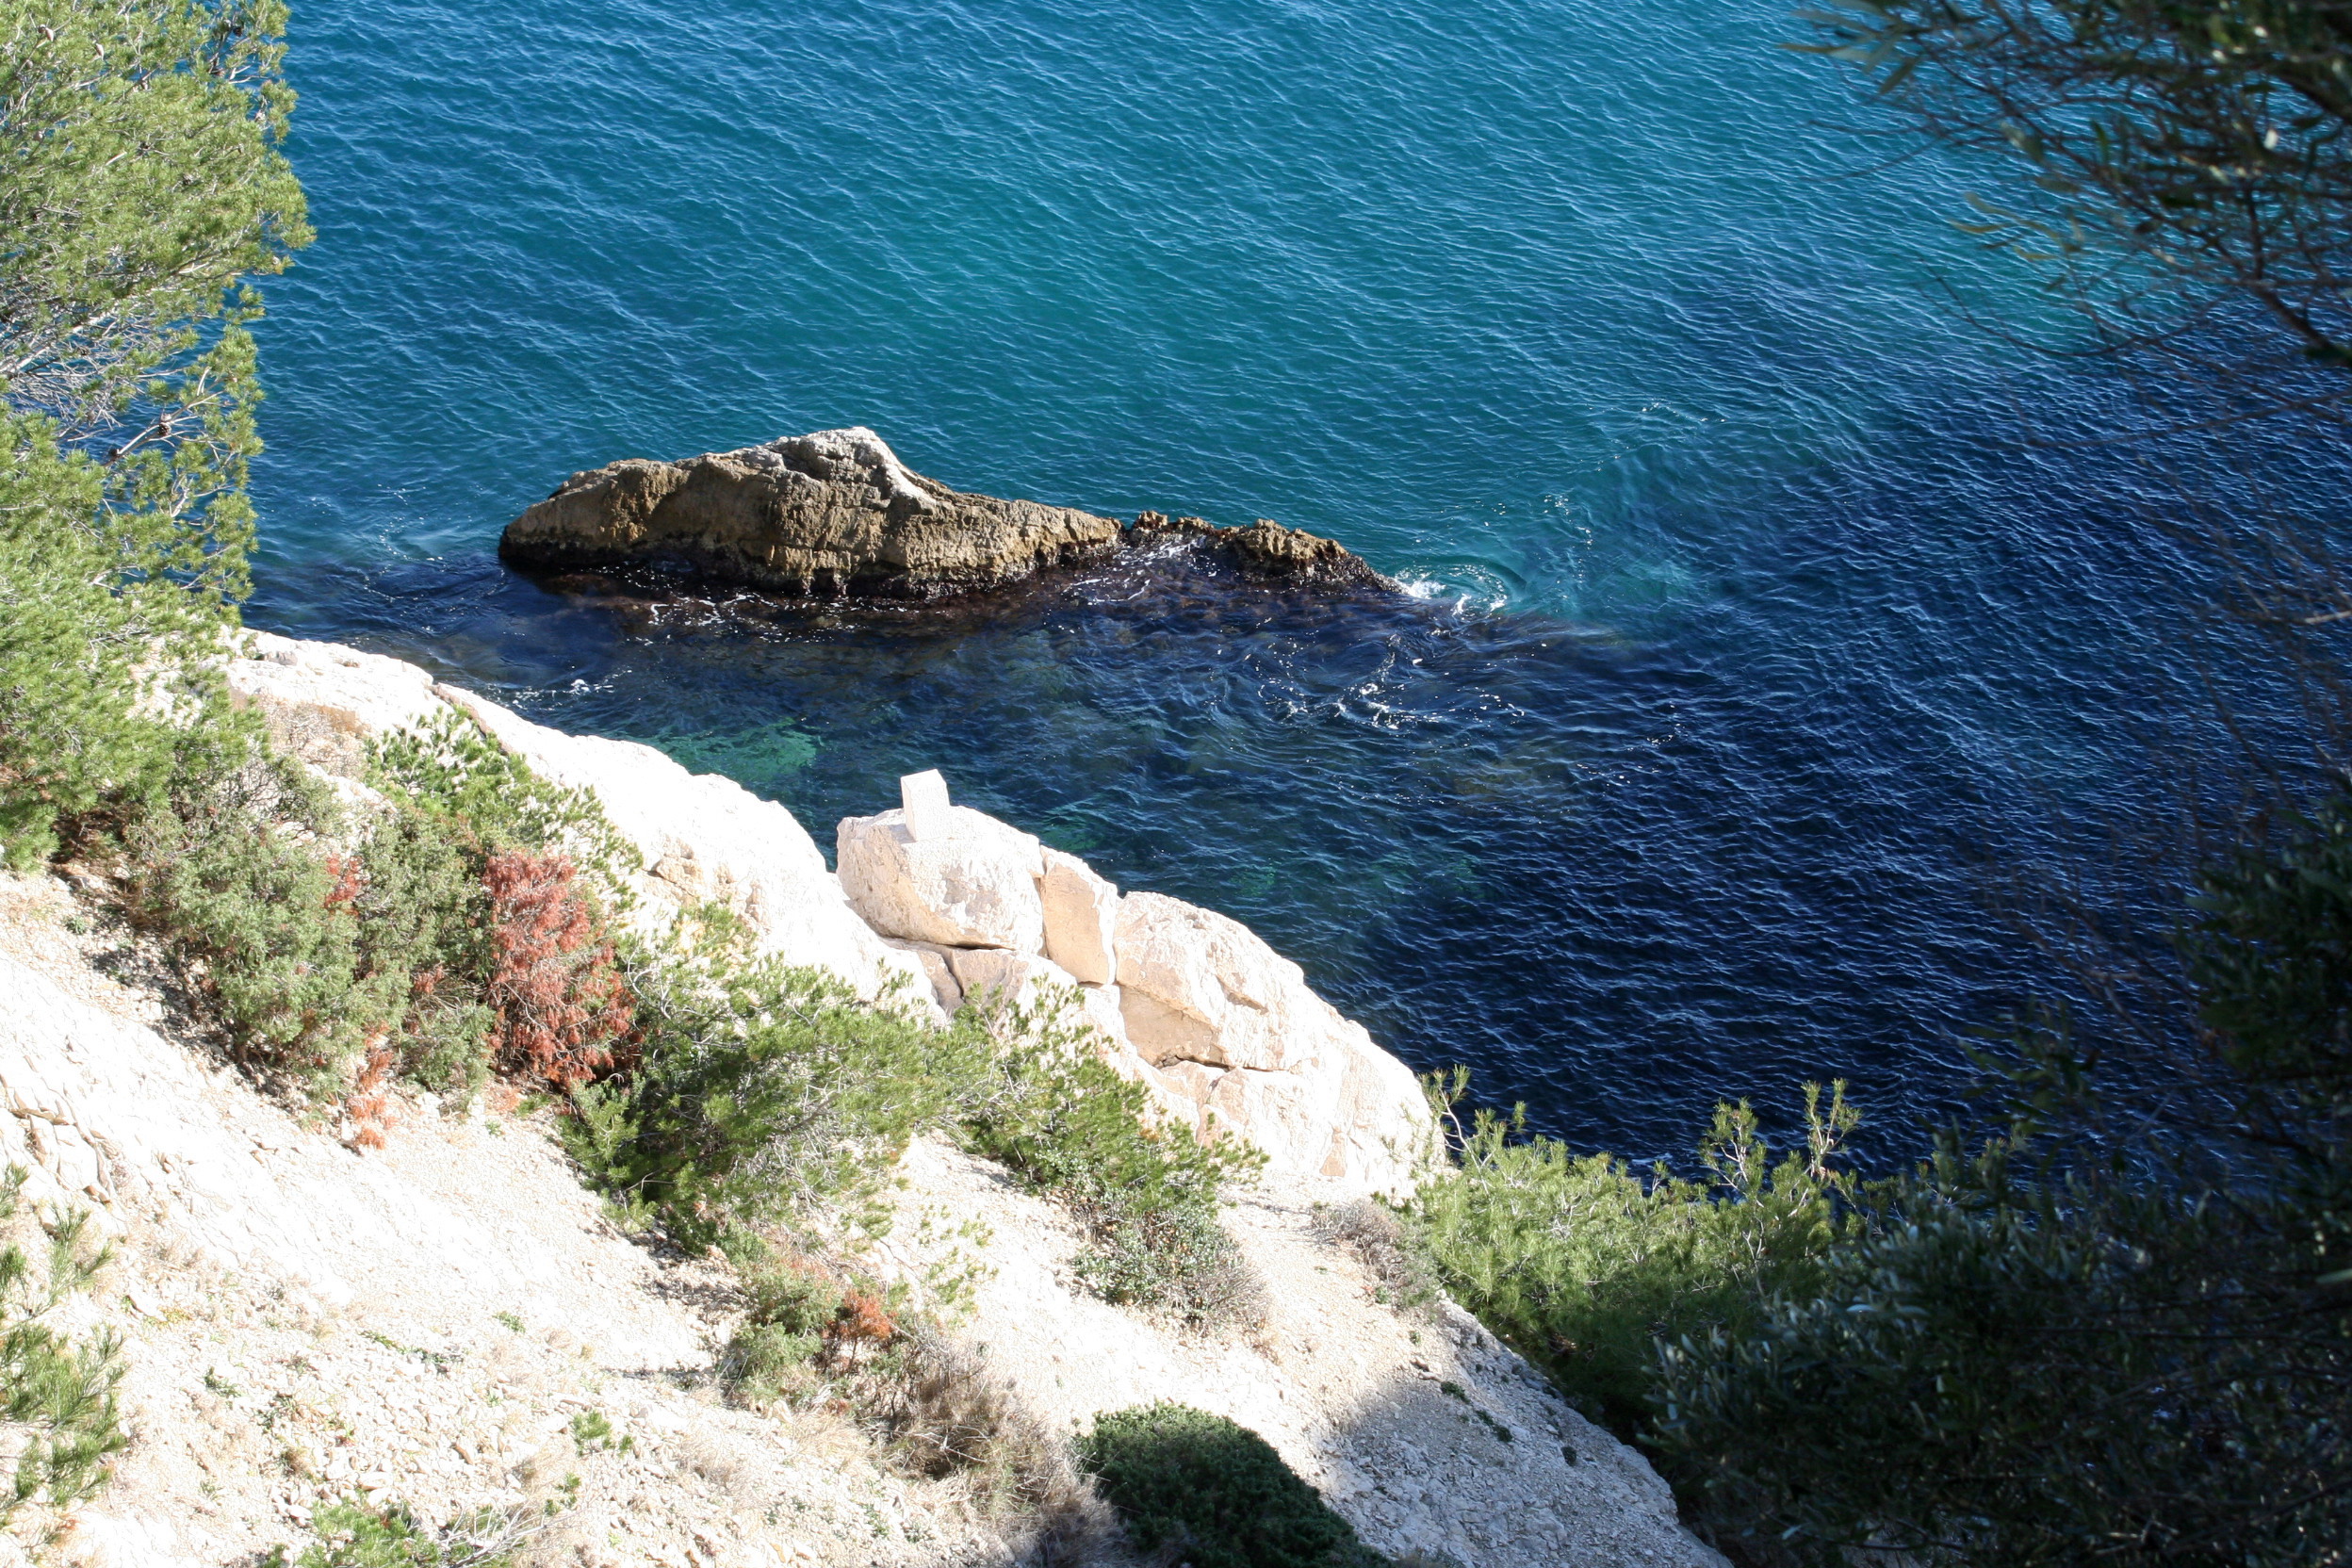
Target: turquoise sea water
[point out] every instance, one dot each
(1753, 640)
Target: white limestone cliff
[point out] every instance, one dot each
(424, 1324)
(427, 1322)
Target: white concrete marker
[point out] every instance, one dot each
(924, 797)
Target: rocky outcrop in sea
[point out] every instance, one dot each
(834, 515)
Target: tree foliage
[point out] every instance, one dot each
(2183, 168)
(2018, 1373)
(57, 1399)
(1204, 1491)
(141, 181)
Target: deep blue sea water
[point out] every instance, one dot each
(1755, 642)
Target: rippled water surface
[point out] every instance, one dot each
(1752, 640)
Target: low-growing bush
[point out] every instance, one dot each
(487, 799)
(807, 1322)
(947, 1414)
(58, 1405)
(424, 912)
(814, 1333)
(1213, 1492)
(553, 985)
(1053, 1112)
(266, 923)
(1402, 1274)
(2000, 1371)
(438, 946)
(762, 1094)
(357, 1534)
(1583, 1266)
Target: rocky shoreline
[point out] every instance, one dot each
(444, 1320)
(1223, 1031)
(834, 516)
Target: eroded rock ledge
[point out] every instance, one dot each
(835, 515)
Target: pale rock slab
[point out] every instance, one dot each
(1232, 1026)
(1203, 987)
(1080, 919)
(923, 797)
(976, 887)
(945, 987)
(1101, 1008)
(103, 1111)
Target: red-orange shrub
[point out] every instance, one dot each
(861, 1323)
(369, 1103)
(350, 877)
(562, 1005)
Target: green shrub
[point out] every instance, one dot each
(355, 1533)
(266, 925)
(766, 1365)
(763, 1094)
(1214, 1493)
(1403, 1275)
(1994, 1374)
(424, 914)
(485, 799)
(767, 1095)
(947, 1412)
(57, 1396)
(794, 1303)
(2087, 1340)
(1583, 1266)
(445, 944)
(1055, 1115)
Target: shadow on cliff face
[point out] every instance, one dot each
(1471, 1458)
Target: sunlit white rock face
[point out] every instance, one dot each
(1080, 919)
(976, 887)
(1223, 1031)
